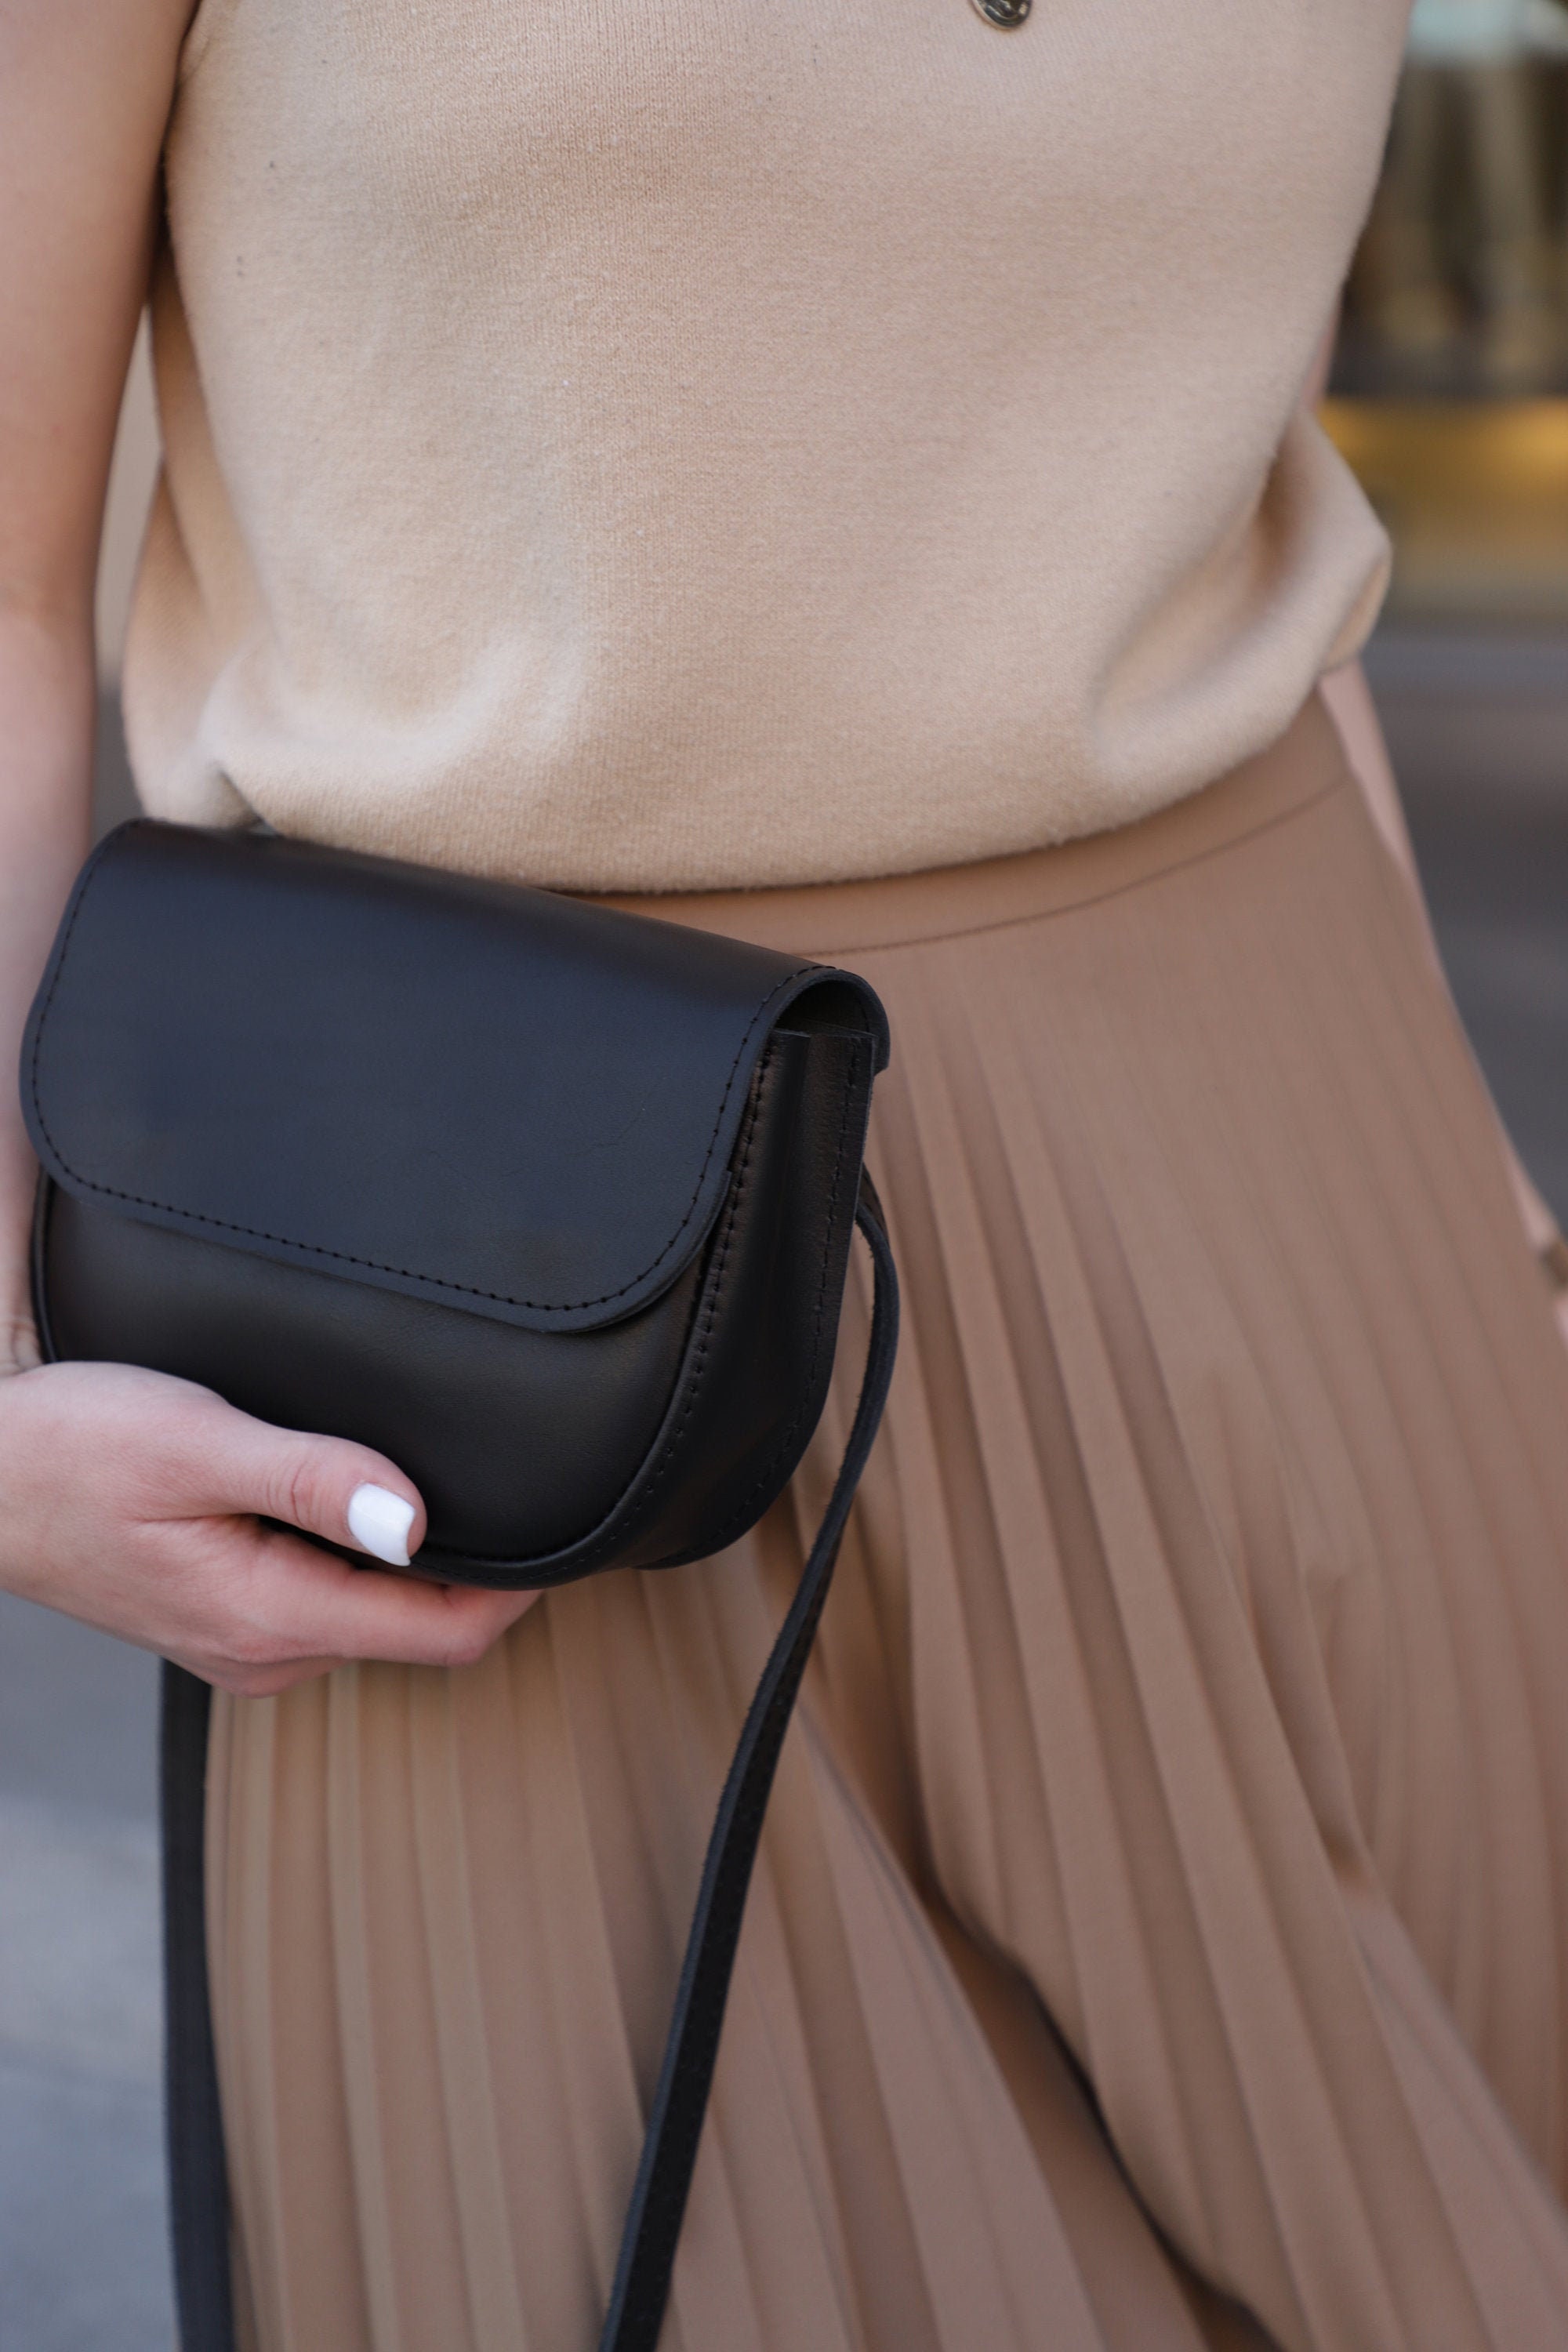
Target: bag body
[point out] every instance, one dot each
(550, 1204)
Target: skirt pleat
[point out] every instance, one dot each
(1159, 1936)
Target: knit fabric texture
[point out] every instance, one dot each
(645, 445)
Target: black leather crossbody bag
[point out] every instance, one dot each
(550, 1204)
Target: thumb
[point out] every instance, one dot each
(327, 1485)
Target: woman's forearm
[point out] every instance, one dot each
(46, 713)
(86, 87)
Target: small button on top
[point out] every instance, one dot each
(1002, 11)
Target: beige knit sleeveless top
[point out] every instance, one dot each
(660, 443)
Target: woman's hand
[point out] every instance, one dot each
(136, 1503)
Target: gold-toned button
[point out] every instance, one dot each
(1002, 11)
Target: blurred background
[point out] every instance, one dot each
(1450, 399)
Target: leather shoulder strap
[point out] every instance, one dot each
(199, 2178)
(670, 2150)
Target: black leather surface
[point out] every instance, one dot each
(289, 1049)
(540, 1455)
(501, 1430)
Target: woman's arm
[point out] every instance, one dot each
(85, 90)
(128, 1499)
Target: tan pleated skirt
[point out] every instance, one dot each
(1160, 1933)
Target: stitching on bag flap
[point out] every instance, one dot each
(347, 1257)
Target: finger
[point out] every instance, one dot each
(251, 1681)
(326, 1486)
(307, 1604)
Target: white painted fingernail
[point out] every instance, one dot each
(379, 1520)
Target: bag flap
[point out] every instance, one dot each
(509, 1100)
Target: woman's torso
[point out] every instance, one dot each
(635, 443)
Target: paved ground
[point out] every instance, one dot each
(82, 2264)
(1476, 733)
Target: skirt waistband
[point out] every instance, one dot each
(839, 918)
